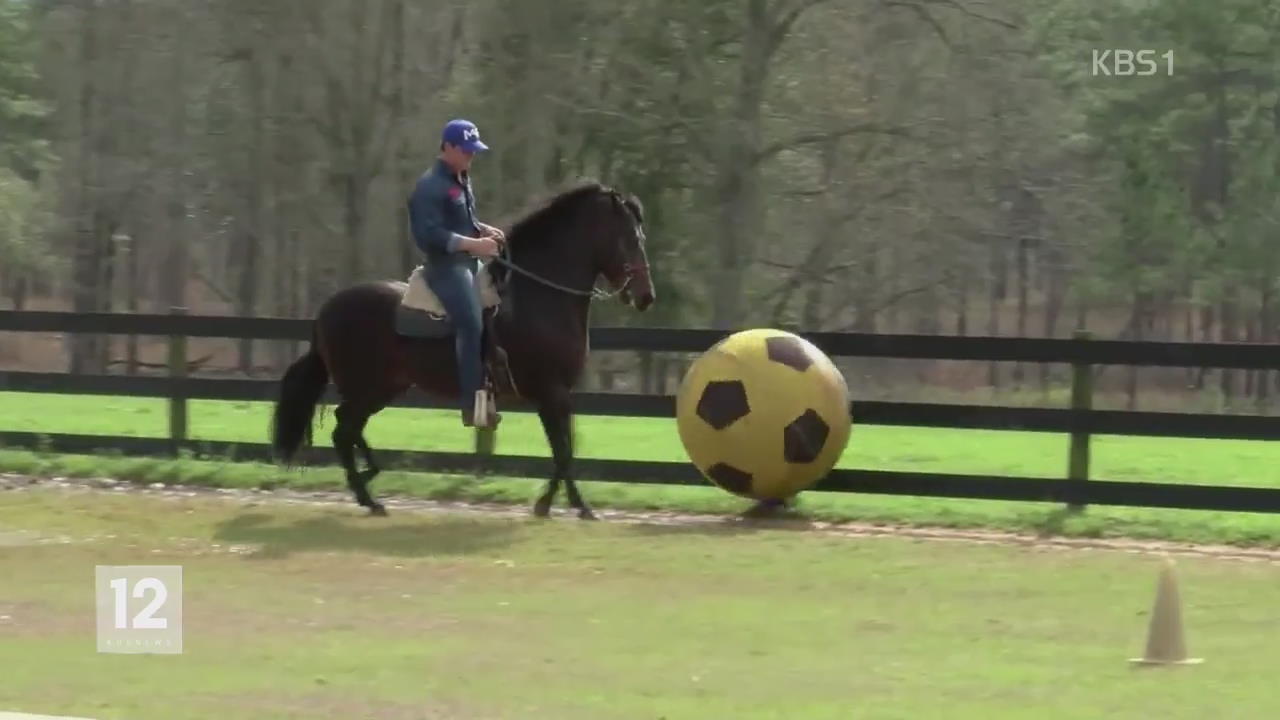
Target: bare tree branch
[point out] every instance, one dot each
(221, 292)
(786, 19)
(857, 210)
(929, 20)
(919, 8)
(963, 9)
(334, 90)
(821, 136)
(941, 279)
(778, 265)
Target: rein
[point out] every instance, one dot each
(594, 293)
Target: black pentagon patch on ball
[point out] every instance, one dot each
(803, 438)
(789, 352)
(730, 478)
(723, 402)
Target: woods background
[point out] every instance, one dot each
(922, 166)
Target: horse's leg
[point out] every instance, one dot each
(553, 415)
(575, 498)
(557, 423)
(349, 433)
(371, 468)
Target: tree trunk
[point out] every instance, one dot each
(1189, 333)
(1250, 329)
(824, 247)
(1021, 330)
(355, 210)
(1209, 193)
(131, 300)
(1055, 291)
(928, 320)
(18, 289)
(737, 167)
(404, 183)
(254, 233)
(996, 295)
(661, 371)
(736, 205)
(1082, 312)
(1138, 326)
(1265, 336)
(1207, 327)
(296, 278)
(173, 281)
(247, 287)
(86, 262)
(363, 119)
(646, 372)
(1229, 334)
(106, 292)
(865, 291)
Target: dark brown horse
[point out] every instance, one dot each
(548, 274)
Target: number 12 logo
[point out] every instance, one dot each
(139, 608)
(143, 620)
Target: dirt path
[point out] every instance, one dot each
(18, 483)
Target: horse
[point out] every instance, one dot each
(546, 273)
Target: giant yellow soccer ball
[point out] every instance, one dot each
(763, 414)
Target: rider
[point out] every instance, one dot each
(442, 218)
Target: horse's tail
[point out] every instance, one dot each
(300, 391)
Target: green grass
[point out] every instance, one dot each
(1223, 462)
(324, 613)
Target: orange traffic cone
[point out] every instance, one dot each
(1165, 642)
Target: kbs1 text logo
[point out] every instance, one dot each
(1122, 63)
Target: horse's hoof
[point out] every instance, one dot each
(542, 508)
(377, 510)
(767, 510)
(586, 514)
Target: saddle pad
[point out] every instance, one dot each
(420, 297)
(415, 323)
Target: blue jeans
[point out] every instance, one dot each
(454, 284)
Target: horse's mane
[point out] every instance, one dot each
(547, 214)
(552, 210)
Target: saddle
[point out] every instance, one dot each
(420, 314)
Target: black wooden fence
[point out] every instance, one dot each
(1080, 421)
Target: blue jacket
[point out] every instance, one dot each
(442, 210)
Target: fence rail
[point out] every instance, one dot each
(1248, 356)
(1080, 421)
(882, 482)
(869, 412)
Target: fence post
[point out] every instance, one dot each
(1081, 400)
(177, 396)
(485, 438)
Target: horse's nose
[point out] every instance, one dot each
(643, 301)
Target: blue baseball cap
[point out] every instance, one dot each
(464, 134)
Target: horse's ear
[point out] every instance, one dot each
(633, 204)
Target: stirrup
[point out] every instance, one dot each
(483, 412)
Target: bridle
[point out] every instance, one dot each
(594, 293)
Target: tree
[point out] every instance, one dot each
(25, 223)
(23, 114)
(24, 157)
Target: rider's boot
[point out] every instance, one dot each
(485, 409)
